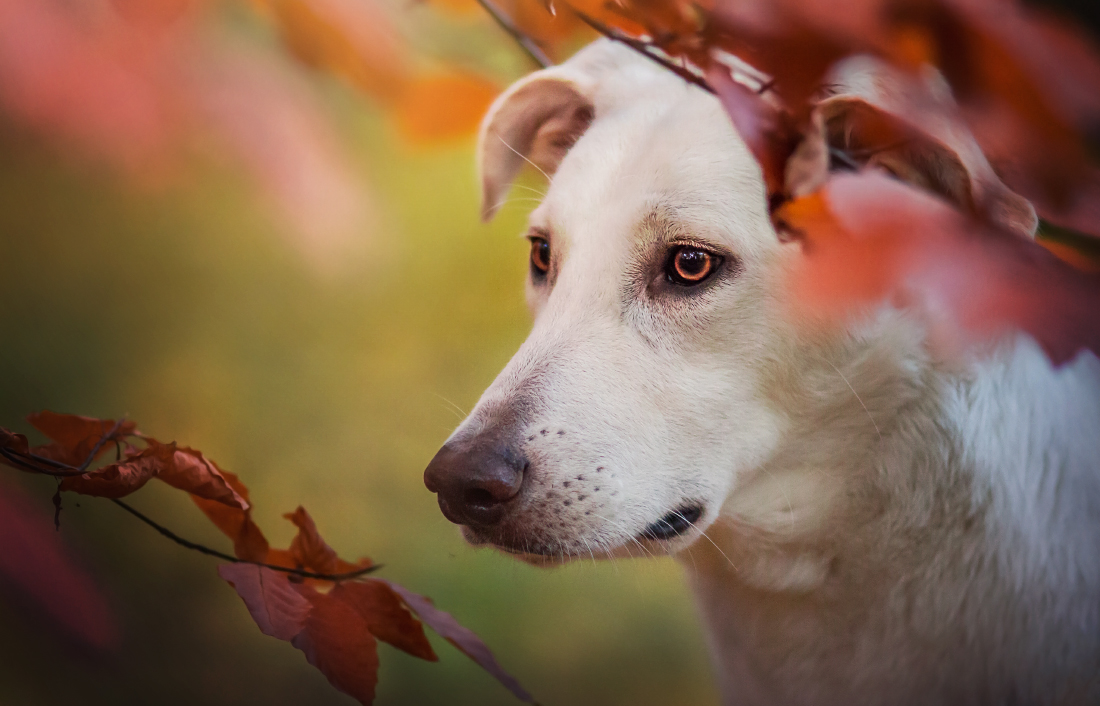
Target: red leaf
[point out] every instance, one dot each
(386, 615)
(13, 442)
(274, 603)
(869, 238)
(311, 552)
(34, 561)
(120, 479)
(761, 126)
(249, 542)
(336, 640)
(462, 638)
(75, 436)
(189, 470)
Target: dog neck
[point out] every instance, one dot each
(913, 502)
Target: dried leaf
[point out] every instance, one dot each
(336, 640)
(386, 615)
(276, 605)
(249, 542)
(11, 441)
(192, 472)
(765, 130)
(462, 638)
(869, 239)
(74, 436)
(309, 551)
(118, 480)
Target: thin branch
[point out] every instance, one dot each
(99, 444)
(229, 557)
(26, 462)
(643, 48)
(529, 46)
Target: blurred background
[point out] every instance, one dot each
(257, 234)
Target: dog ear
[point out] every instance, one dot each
(537, 120)
(873, 121)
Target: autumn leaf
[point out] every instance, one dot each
(869, 238)
(278, 608)
(236, 522)
(118, 480)
(462, 638)
(337, 640)
(75, 437)
(387, 615)
(308, 550)
(190, 471)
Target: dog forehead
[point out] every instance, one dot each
(669, 149)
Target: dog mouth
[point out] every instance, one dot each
(528, 548)
(674, 523)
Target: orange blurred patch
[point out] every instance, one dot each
(443, 107)
(1067, 253)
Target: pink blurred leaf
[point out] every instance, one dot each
(870, 238)
(462, 638)
(35, 563)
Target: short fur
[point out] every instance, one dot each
(882, 526)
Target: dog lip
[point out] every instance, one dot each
(674, 523)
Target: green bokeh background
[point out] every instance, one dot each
(188, 310)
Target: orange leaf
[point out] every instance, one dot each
(274, 603)
(75, 436)
(352, 39)
(13, 442)
(462, 638)
(309, 551)
(120, 479)
(249, 542)
(868, 238)
(386, 615)
(190, 471)
(443, 107)
(337, 641)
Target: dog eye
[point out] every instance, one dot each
(540, 255)
(689, 265)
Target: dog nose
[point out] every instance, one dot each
(475, 482)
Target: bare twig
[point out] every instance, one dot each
(229, 557)
(529, 46)
(27, 462)
(643, 48)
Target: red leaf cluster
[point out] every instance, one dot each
(1024, 85)
(306, 594)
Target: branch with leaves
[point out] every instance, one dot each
(1026, 85)
(305, 594)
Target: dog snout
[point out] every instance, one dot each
(475, 482)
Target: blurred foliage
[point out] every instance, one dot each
(330, 386)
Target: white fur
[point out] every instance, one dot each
(882, 526)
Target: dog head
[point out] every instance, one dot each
(651, 383)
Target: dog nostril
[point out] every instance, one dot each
(479, 497)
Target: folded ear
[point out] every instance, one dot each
(887, 120)
(537, 120)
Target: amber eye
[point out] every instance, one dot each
(688, 265)
(540, 255)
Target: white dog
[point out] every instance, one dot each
(868, 523)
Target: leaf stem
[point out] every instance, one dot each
(229, 557)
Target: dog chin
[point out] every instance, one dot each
(534, 558)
